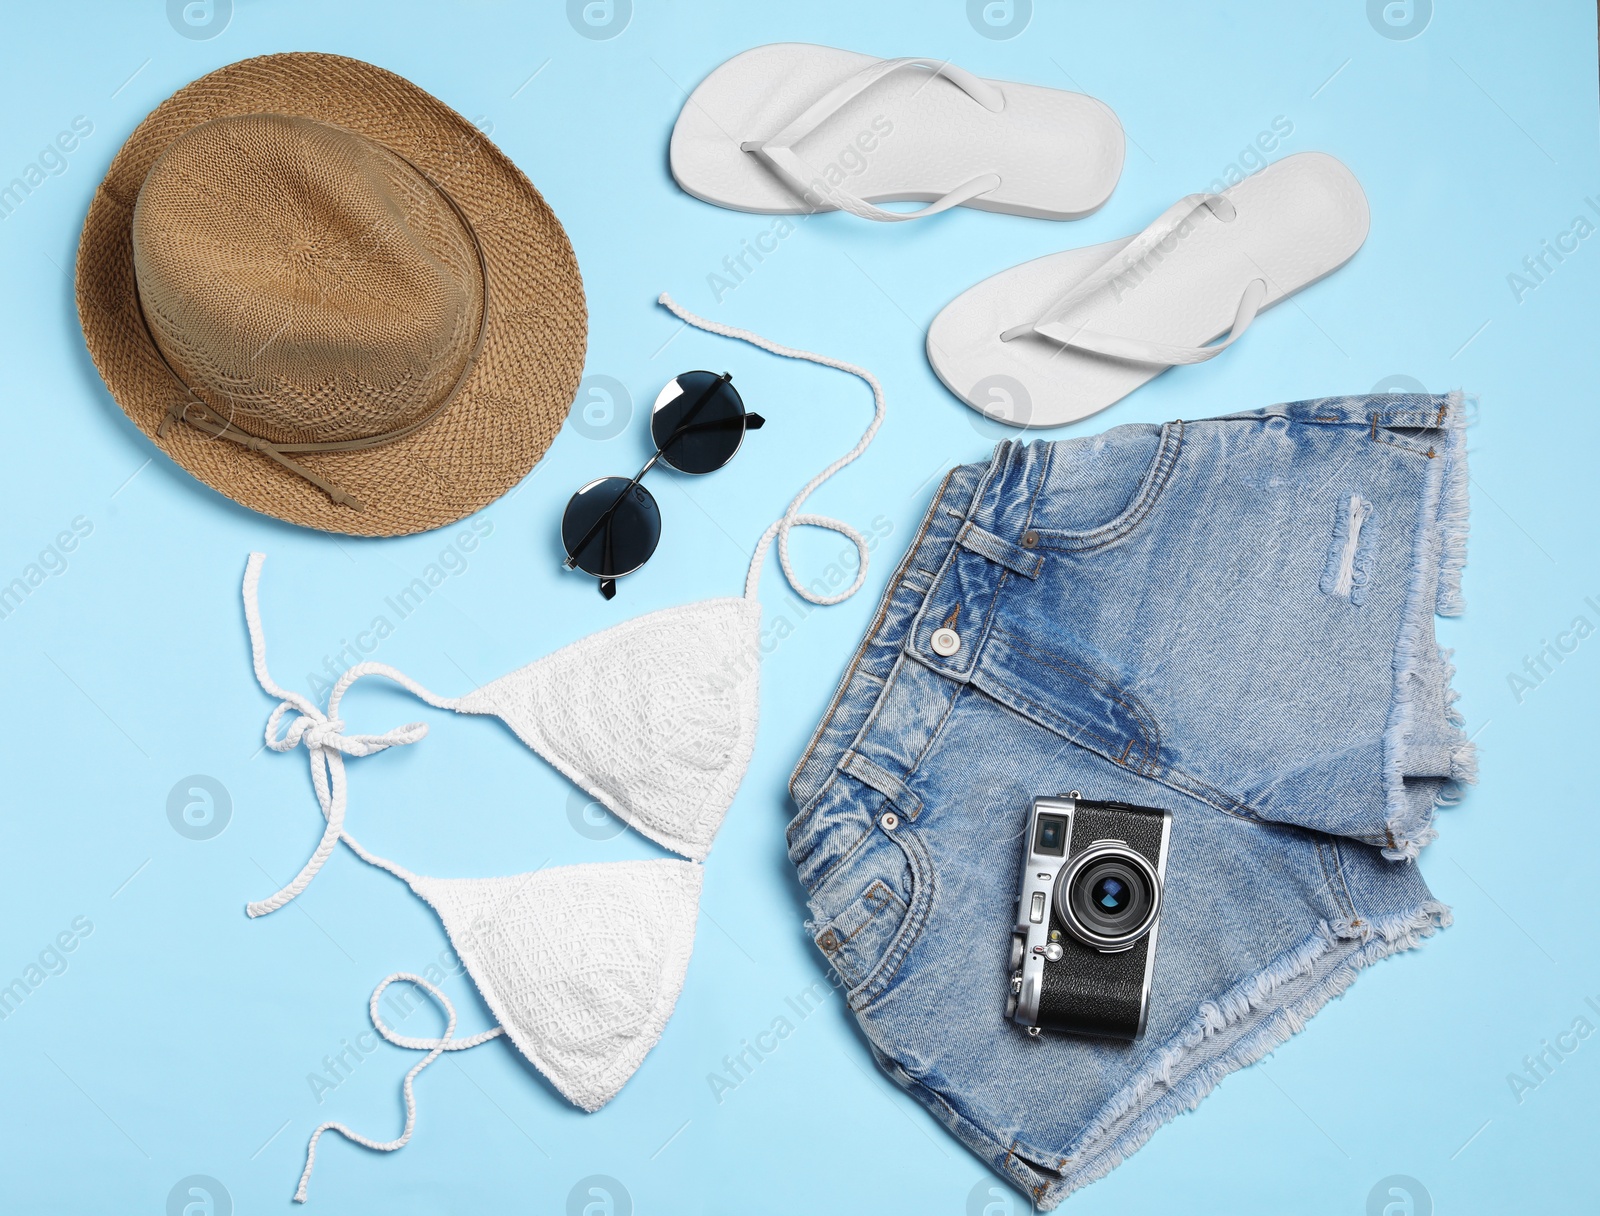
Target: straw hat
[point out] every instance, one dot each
(327, 295)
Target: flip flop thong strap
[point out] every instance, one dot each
(1133, 262)
(778, 150)
(1164, 354)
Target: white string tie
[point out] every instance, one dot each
(322, 735)
(434, 1048)
(791, 517)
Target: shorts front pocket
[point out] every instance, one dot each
(1100, 490)
(856, 939)
(872, 904)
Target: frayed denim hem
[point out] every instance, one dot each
(1245, 1025)
(1440, 554)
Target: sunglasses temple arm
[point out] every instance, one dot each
(750, 422)
(608, 586)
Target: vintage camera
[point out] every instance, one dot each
(1085, 942)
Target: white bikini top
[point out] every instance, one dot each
(656, 719)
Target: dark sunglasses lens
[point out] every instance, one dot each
(631, 531)
(698, 422)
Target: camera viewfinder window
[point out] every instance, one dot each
(1050, 837)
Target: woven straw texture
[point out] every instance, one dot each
(311, 286)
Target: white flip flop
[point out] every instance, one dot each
(875, 130)
(1063, 336)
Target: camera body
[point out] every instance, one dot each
(1084, 946)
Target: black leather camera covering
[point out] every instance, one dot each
(1084, 991)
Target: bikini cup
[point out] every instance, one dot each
(581, 965)
(655, 718)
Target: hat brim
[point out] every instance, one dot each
(526, 376)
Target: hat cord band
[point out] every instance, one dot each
(196, 413)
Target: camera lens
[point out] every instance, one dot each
(1108, 896)
(1111, 894)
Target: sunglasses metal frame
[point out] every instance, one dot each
(745, 420)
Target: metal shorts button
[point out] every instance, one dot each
(829, 942)
(1030, 539)
(945, 642)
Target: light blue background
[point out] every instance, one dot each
(179, 1038)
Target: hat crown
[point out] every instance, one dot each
(305, 282)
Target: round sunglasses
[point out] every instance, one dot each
(612, 525)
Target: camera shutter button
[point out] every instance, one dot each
(945, 642)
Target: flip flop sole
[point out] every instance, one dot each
(1023, 383)
(1297, 220)
(911, 136)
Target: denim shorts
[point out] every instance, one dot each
(1230, 619)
